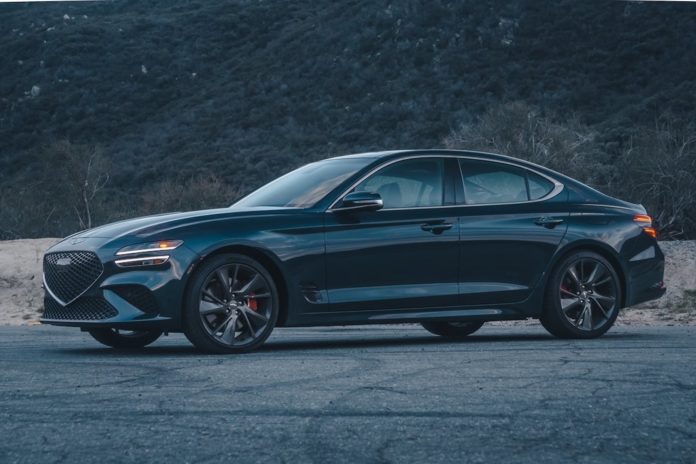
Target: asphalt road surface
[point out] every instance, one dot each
(356, 394)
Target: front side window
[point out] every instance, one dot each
(491, 183)
(412, 183)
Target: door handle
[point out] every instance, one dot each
(436, 228)
(548, 222)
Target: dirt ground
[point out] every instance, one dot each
(678, 305)
(21, 296)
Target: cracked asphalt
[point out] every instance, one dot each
(355, 394)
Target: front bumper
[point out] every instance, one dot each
(131, 298)
(103, 308)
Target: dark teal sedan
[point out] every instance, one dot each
(447, 239)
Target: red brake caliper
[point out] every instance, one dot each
(251, 302)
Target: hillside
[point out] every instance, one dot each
(245, 90)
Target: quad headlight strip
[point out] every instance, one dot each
(144, 261)
(145, 248)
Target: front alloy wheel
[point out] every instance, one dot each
(232, 306)
(583, 298)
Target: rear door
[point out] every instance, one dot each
(511, 221)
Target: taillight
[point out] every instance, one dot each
(645, 222)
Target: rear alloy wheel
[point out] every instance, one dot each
(119, 338)
(583, 297)
(455, 330)
(232, 305)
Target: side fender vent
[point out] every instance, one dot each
(313, 294)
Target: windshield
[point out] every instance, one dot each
(304, 187)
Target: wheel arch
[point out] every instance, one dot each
(602, 249)
(267, 259)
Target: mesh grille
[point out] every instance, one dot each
(84, 309)
(138, 296)
(69, 274)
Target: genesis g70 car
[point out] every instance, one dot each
(448, 239)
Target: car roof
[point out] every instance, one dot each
(370, 154)
(382, 155)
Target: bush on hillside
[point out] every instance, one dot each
(202, 191)
(520, 130)
(657, 168)
(72, 192)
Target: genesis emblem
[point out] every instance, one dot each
(75, 241)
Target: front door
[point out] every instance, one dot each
(403, 256)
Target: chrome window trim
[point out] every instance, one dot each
(558, 187)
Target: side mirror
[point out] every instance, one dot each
(360, 201)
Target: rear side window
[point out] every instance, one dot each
(538, 186)
(491, 183)
(487, 183)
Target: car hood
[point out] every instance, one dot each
(149, 225)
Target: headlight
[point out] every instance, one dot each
(146, 248)
(162, 245)
(144, 261)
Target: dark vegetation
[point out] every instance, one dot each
(115, 109)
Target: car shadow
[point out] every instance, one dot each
(396, 341)
(425, 340)
(340, 342)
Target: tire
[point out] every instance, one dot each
(218, 305)
(129, 339)
(455, 330)
(566, 313)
